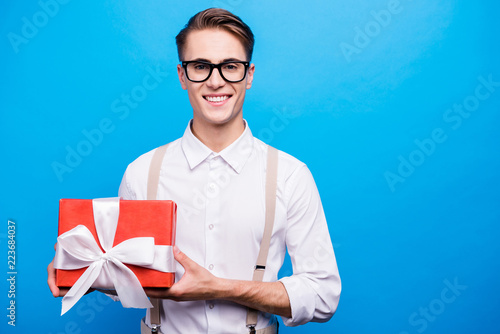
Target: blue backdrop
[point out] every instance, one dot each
(394, 105)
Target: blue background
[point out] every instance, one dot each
(406, 221)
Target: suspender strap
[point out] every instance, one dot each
(154, 171)
(153, 180)
(154, 315)
(271, 185)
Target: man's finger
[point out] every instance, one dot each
(51, 280)
(182, 258)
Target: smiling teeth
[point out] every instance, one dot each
(217, 98)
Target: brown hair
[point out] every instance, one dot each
(217, 18)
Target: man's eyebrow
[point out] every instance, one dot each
(231, 59)
(201, 59)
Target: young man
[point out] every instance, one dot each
(216, 173)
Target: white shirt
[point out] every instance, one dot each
(220, 223)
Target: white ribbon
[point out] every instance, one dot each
(77, 248)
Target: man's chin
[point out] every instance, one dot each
(219, 118)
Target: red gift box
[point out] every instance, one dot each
(144, 218)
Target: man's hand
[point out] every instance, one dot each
(51, 280)
(198, 283)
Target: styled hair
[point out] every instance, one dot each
(217, 18)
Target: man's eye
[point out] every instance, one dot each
(231, 67)
(200, 67)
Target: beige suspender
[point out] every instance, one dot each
(260, 267)
(154, 171)
(153, 180)
(258, 275)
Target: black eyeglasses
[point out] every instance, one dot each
(231, 71)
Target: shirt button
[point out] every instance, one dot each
(212, 186)
(210, 267)
(211, 306)
(211, 226)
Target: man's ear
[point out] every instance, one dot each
(182, 76)
(251, 71)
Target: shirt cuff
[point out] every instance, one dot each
(302, 301)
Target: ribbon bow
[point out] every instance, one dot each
(77, 248)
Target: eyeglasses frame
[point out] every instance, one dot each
(217, 66)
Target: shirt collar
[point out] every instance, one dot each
(236, 154)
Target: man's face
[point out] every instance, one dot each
(215, 46)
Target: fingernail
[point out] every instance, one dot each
(176, 249)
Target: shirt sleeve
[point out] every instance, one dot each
(125, 191)
(314, 288)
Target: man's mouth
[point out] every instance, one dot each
(216, 99)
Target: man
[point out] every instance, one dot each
(216, 173)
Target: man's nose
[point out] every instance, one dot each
(215, 81)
